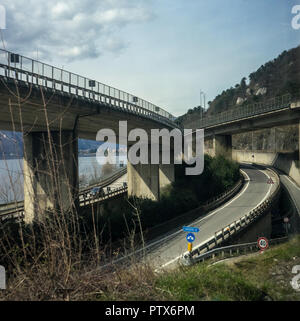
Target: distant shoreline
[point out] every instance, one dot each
(8, 157)
(11, 157)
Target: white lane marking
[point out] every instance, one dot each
(269, 191)
(175, 259)
(212, 213)
(226, 204)
(248, 178)
(203, 218)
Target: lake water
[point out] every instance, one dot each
(11, 176)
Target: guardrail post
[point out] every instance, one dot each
(69, 82)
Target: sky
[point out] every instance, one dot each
(164, 51)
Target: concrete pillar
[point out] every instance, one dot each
(222, 145)
(50, 173)
(143, 180)
(166, 175)
(148, 180)
(166, 171)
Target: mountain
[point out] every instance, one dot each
(275, 78)
(11, 145)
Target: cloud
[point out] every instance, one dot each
(71, 29)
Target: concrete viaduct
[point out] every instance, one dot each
(53, 107)
(219, 128)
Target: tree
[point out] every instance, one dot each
(243, 83)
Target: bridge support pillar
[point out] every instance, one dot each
(148, 180)
(166, 175)
(143, 180)
(222, 145)
(50, 173)
(166, 171)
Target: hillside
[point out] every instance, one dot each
(275, 78)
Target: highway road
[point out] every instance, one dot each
(167, 250)
(118, 183)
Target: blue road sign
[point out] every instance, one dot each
(190, 229)
(190, 237)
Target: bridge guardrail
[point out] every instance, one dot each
(105, 181)
(224, 196)
(238, 225)
(240, 112)
(18, 211)
(116, 192)
(30, 71)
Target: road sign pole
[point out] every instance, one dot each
(286, 220)
(190, 247)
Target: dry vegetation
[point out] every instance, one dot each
(57, 257)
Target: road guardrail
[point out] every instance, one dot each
(173, 224)
(231, 250)
(21, 69)
(17, 209)
(243, 111)
(237, 226)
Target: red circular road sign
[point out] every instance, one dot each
(263, 243)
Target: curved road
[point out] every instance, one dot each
(256, 189)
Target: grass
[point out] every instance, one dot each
(247, 278)
(203, 282)
(261, 277)
(258, 277)
(56, 257)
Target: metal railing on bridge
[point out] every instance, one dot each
(242, 111)
(20, 68)
(16, 209)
